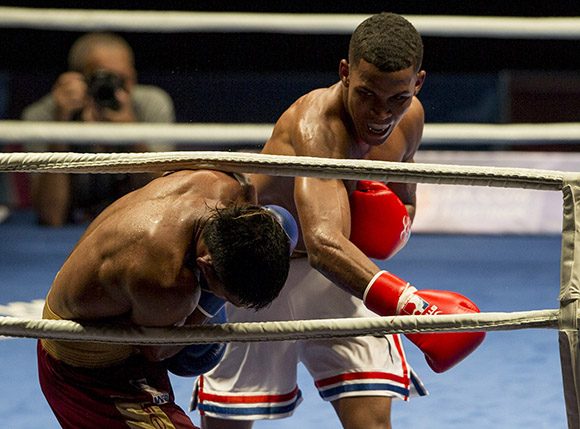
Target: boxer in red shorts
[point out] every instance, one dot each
(168, 254)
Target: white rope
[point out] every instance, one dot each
(277, 331)
(177, 21)
(106, 134)
(278, 165)
(476, 134)
(235, 135)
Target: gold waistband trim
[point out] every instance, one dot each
(84, 354)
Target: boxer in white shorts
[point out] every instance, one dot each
(358, 366)
(371, 113)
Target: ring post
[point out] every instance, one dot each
(569, 296)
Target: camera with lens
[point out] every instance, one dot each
(102, 86)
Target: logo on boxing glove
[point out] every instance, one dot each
(417, 306)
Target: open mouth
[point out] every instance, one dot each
(378, 129)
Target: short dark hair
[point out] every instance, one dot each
(388, 41)
(81, 48)
(250, 253)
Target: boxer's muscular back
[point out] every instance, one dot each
(141, 238)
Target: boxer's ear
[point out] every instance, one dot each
(205, 265)
(343, 72)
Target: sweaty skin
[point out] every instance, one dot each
(369, 114)
(128, 267)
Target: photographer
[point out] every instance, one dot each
(100, 86)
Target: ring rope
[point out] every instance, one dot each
(278, 331)
(240, 134)
(106, 133)
(278, 165)
(178, 21)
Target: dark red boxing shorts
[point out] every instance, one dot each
(136, 393)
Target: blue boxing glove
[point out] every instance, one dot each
(287, 221)
(196, 359)
(209, 304)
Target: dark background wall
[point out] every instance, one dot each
(247, 77)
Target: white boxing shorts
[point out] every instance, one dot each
(258, 380)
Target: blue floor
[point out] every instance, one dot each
(512, 381)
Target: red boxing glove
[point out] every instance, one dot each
(380, 224)
(389, 295)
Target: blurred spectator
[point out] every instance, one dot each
(4, 213)
(4, 200)
(100, 86)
